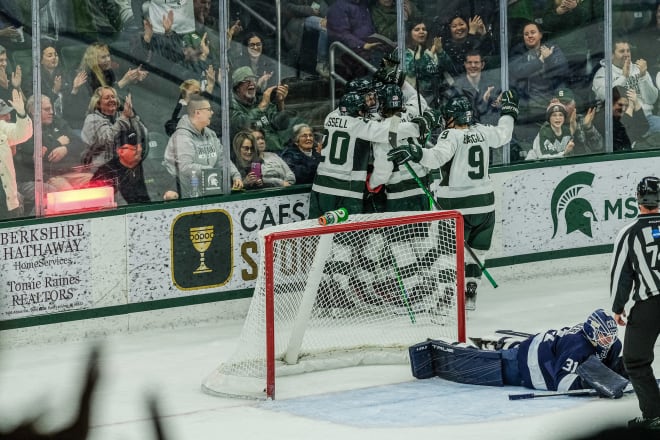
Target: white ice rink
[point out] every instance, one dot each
(378, 402)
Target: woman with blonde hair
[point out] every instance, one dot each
(247, 160)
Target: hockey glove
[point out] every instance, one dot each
(509, 104)
(424, 129)
(389, 75)
(405, 153)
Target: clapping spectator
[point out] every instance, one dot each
(130, 180)
(195, 147)
(268, 112)
(629, 125)
(8, 80)
(11, 134)
(427, 65)
(60, 156)
(466, 35)
(104, 123)
(302, 154)
(628, 74)
(586, 137)
(536, 70)
(252, 56)
(53, 77)
(96, 70)
(274, 171)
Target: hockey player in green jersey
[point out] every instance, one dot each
(403, 193)
(341, 176)
(462, 150)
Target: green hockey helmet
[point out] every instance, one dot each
(352, 104)
(360, 86)
(459, 111)
(390, 98)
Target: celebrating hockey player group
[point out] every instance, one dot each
(383, 144)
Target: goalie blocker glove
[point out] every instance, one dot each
(405, 153)
(509, 104)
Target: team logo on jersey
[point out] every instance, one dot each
(568, 205)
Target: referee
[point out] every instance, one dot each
(636, 269)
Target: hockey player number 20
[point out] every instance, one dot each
(339, 144)
(476, 162)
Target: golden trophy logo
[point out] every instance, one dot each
(202, 249)
(201, 239)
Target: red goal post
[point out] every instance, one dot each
(358, 292)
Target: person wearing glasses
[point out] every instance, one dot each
(302, 154)
(267, 111)
(247, 161)
(195, 147)
(132, 182)
(252, 56)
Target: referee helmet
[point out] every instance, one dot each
(648, 192)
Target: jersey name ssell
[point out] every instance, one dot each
(336, 122)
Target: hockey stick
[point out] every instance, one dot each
(514, 333)
(435, 203)
(582, 392)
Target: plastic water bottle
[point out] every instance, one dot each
(194, 185)
(331, 217)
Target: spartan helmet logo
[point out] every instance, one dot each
(566, 202)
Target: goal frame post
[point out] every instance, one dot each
(269, 245)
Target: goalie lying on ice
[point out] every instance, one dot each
(583, 356)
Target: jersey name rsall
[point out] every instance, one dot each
(336, 122)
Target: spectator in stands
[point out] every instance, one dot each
(60, 156)
(98, 68)
(628, 122)
(8, 80)
(247, 160)
(427, 65)
(383, 15)
(481, 87)
(302, 154)
(627, 74)
(536, 71)
(187, 88)
(586, 137)
(11, 134)
(439, 14)
(467, 35)
(195, 147)
(53, 77)
(274, 171)
(252, 56)
(306, 15)
(350, 23)
(554, 139)
(104, 123)
(567, 23)
(132, 182)
(268, 112)
(646, 43)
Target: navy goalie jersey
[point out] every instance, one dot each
(549, 361)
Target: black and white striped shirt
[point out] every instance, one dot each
(636, 262)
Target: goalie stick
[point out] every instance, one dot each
(582, 392)
(514, 333)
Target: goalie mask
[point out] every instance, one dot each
(600, 329)
(459, 111)
(352, 104)
(648, 192)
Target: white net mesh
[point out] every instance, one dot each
(361, 295)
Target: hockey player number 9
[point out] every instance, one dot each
(476, 162)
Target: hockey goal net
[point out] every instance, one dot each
(358, 292)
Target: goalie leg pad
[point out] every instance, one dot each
(467, 365)
(421, 360)
(598, 376)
